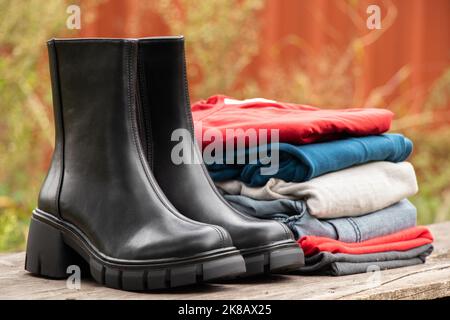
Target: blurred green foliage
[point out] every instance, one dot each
(220, 47)
(431, 160)
(221, 41)
(26, 133)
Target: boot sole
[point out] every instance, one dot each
(280, 257)
(54, 245)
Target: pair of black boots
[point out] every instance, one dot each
(114, 202)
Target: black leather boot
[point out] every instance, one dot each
(267, 246)
(100, 203)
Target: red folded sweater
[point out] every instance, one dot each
(400, 241)
(297, 124)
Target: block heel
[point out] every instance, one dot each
(47, 255)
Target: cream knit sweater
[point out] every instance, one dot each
(350, 192)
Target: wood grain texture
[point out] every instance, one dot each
(428, 281)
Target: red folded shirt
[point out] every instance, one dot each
(297, 124)
(400, 241)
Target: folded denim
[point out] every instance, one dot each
(300, 163)
(341, 264)
(400, 241)
(350, 192)
(295, 215)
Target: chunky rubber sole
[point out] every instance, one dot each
(53, 246)
(279, 257)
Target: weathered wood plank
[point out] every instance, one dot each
(428, 281)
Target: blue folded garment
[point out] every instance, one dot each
(300, 163)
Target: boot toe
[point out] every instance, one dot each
(193, 240)
(263, 233)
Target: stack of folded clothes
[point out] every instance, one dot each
(341, 183)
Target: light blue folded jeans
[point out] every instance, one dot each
(294, 214)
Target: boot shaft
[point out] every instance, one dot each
(93, 85)
(164, 94)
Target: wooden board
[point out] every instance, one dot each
(427, 281)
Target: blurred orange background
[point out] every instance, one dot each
(415, 33)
